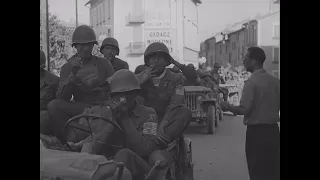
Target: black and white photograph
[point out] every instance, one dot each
(159, 89)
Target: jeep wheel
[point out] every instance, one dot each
(211, 119)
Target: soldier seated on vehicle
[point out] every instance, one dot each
(206, 81)
(84, 77)
(219, 80)
(163, 91)
(139, 124)
(48, 88)
(110, 49)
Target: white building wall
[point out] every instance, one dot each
(128, 33)
(168, 21)
(266, 30)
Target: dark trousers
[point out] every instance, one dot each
(263, 152)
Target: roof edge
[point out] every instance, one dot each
(197, 1)
(89, 2)
(209, 39)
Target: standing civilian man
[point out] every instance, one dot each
(260, 105)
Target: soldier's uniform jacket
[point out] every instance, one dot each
(93, 84)
(48, 88)
(119, 64)
(142, 139)
(167, 95)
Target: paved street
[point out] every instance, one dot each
(220, 156)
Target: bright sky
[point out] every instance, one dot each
(214, 15)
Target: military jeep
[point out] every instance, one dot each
(59, 160)
(204, 105)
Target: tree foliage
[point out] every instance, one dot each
(59, 42)
(60, 38)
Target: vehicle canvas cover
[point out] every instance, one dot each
(74, 166)
(196, 89)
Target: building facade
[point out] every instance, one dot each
(138, 23)
(208, 50)
(262, 31)
(269, 41)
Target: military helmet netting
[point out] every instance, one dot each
(124, 80)
(154, 48)
(110, 41)
(83, 34)
(42, 58)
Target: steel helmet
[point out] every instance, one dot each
(110, 41)
(216, 65)
(83, 34)
(124, 80)
(42, 59)
(156, 47)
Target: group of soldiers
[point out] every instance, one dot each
(212, 79)
(153, 117)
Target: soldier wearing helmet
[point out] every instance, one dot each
(217, 79)
(83, 77)
(139, 124)
(163, 91)
(216, 74)
(48, 88)
(110, 49)
(206, 80)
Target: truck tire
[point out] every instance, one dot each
(211, 129)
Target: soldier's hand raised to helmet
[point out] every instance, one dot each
(146, 74)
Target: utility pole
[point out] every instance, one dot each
(44, 16)
(76, 13)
